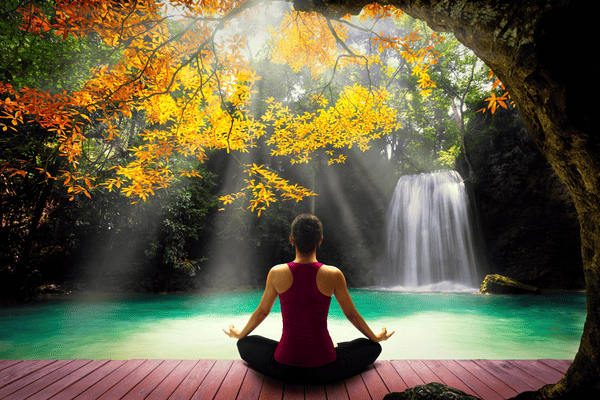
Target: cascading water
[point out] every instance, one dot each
(430, 241)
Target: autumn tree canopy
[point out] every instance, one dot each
(185, 85)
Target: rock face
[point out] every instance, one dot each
(498, 284)
(528, 219)
(431, 391)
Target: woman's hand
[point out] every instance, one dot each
(233, 333)
(383, 335)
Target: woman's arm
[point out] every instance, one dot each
(261, 312)
(343, 297)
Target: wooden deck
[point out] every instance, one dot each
(232, 379)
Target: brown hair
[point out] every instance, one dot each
(307, 232)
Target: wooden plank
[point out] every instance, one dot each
(32, 377)
(559, 365)
(233, 381)
(172, 381)
(426, 374)
(191, 382)
(505, 391)
(131, 380)
(293, 391)
(252, 385)
(315, 392)
(108, 381)
(210, 385)
(390, 376)
(20, 365)
(271, 389)
(408, 375)
(47, 379)
(505, 375)
(447, 377)
(357, 390)
(89, 380)
(530, 380)
(68, 379)
(479, 387)
(538, 369)
(374, 383)
(566, 362)
(336, 391)
(20, 370)
(152, 380)
(4, 364)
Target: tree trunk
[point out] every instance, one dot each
(539, 50)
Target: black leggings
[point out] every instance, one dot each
(352, 358)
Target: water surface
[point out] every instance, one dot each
(181, 326)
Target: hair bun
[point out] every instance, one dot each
(308, 229)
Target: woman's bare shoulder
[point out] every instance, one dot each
(331, 279)
(331, 270)
(280, 269)
(281, 276)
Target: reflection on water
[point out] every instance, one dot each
(428, 326)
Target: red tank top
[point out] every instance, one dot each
(305, 340)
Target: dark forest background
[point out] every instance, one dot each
(183, 239)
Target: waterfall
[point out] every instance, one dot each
(430, 243)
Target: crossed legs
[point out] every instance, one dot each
(352, 358)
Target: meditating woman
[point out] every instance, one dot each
(306, 352)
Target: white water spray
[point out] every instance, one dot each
(430, 241)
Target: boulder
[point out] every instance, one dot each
(498, 284)
(431, 391)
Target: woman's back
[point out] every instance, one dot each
(283, 278)
(305, 340)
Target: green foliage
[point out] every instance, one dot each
(266, 235)
(40, 224)
(181, 216)
(432, 126)
(429, 124)
(448, 158)
(45, 61)
(29, 198)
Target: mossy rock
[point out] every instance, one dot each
(431, 391)
(498, 284)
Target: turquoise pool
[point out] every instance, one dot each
(427, 325)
